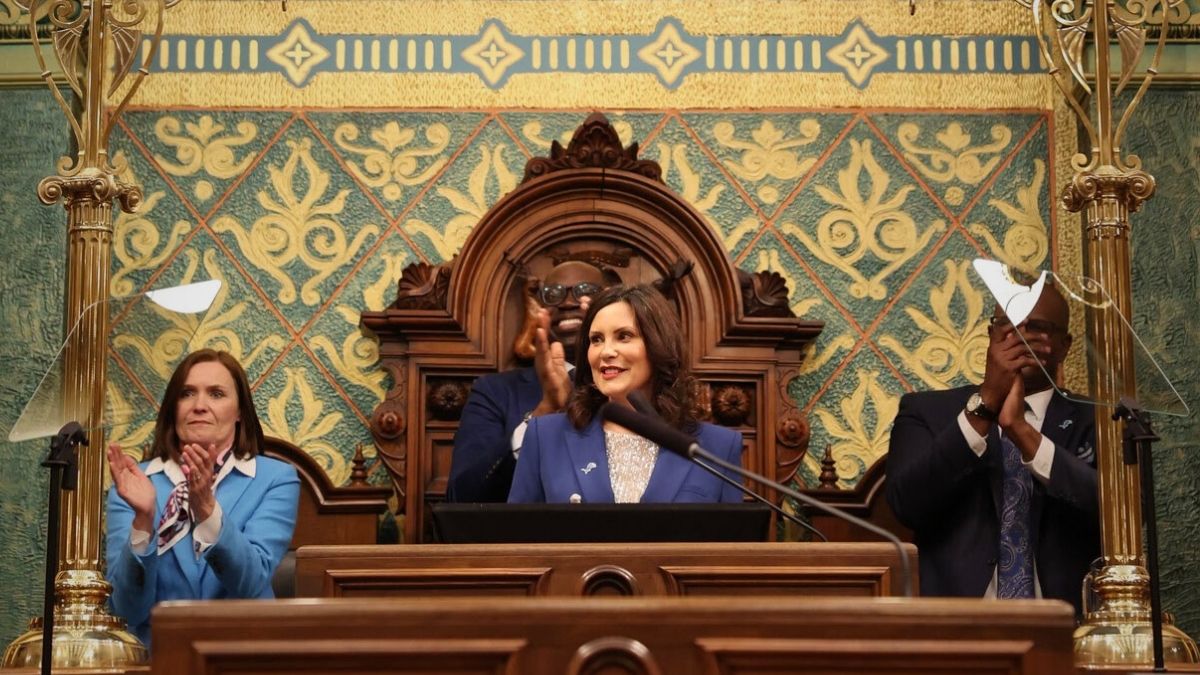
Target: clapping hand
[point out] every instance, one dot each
(198, 465)
(132, 485)
(550, 361)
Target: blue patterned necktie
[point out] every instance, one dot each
(1014, 575)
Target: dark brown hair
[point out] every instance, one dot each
(248, 434)
(673, 388)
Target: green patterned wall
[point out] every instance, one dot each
(1165, 133)
(33, 239)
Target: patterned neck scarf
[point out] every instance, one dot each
(176, 521)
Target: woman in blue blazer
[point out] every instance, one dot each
(633, 341)
(208, 517)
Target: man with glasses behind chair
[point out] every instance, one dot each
(998, 481)
(493, 422)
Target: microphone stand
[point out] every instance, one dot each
(787, 516)
(1137, 438)
(643, 405)
(696, 452)
(64, 474)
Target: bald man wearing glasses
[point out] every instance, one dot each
(500, 406)
(998, 481)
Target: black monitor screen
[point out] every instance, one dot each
(599, 523)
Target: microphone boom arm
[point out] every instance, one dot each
(695, 452)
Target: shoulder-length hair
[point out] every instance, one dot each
(248, 434)
(673, 388)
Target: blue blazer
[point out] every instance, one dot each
(558, 460)
(481, 468)
(258, 517)
(951, 498)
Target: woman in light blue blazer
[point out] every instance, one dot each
(208, 517)
(633, 341)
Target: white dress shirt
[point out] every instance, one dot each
(1039, 467)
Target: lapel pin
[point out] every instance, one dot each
(588, 469)
(1065, 424)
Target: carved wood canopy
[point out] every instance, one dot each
(455, 321)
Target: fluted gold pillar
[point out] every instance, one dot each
(1107, 187)
(89, 36)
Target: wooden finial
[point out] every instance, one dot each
(358, 475)
(829, 478)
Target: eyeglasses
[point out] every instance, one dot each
(1030, 325)
(554, 295)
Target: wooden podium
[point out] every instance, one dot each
(575, 570)
(576, 636)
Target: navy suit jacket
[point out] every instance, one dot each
(258, 517)
(951, 498)
(481, 468)
(558, 460)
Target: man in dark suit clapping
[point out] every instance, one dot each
(998, 482)
(500, 406)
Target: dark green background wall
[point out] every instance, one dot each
(32, 243)
(1165, 132)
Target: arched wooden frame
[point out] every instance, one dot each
(451, 323)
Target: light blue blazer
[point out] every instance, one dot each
(557, 461)
(258, 517)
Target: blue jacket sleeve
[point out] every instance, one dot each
(527, 485)
(134, 577)
(733, 455)
(244, 559)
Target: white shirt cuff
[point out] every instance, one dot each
(207, 533)
(139, 541)
(518, 437)
(977, 443)
(1042, 461)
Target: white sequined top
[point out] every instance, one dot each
(630, 462)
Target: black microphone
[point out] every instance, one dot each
(643, 405)
(680, 443)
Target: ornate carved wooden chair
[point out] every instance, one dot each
(327, 514)
(453, 322)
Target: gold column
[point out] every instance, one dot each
(88, 37)
(1107, 187)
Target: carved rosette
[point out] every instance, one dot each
(446, 399)
(731, 404)
(791, 435)
(388, 427)
(1108, 198)
(764, 293)
(595, 144)
(423, 286)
